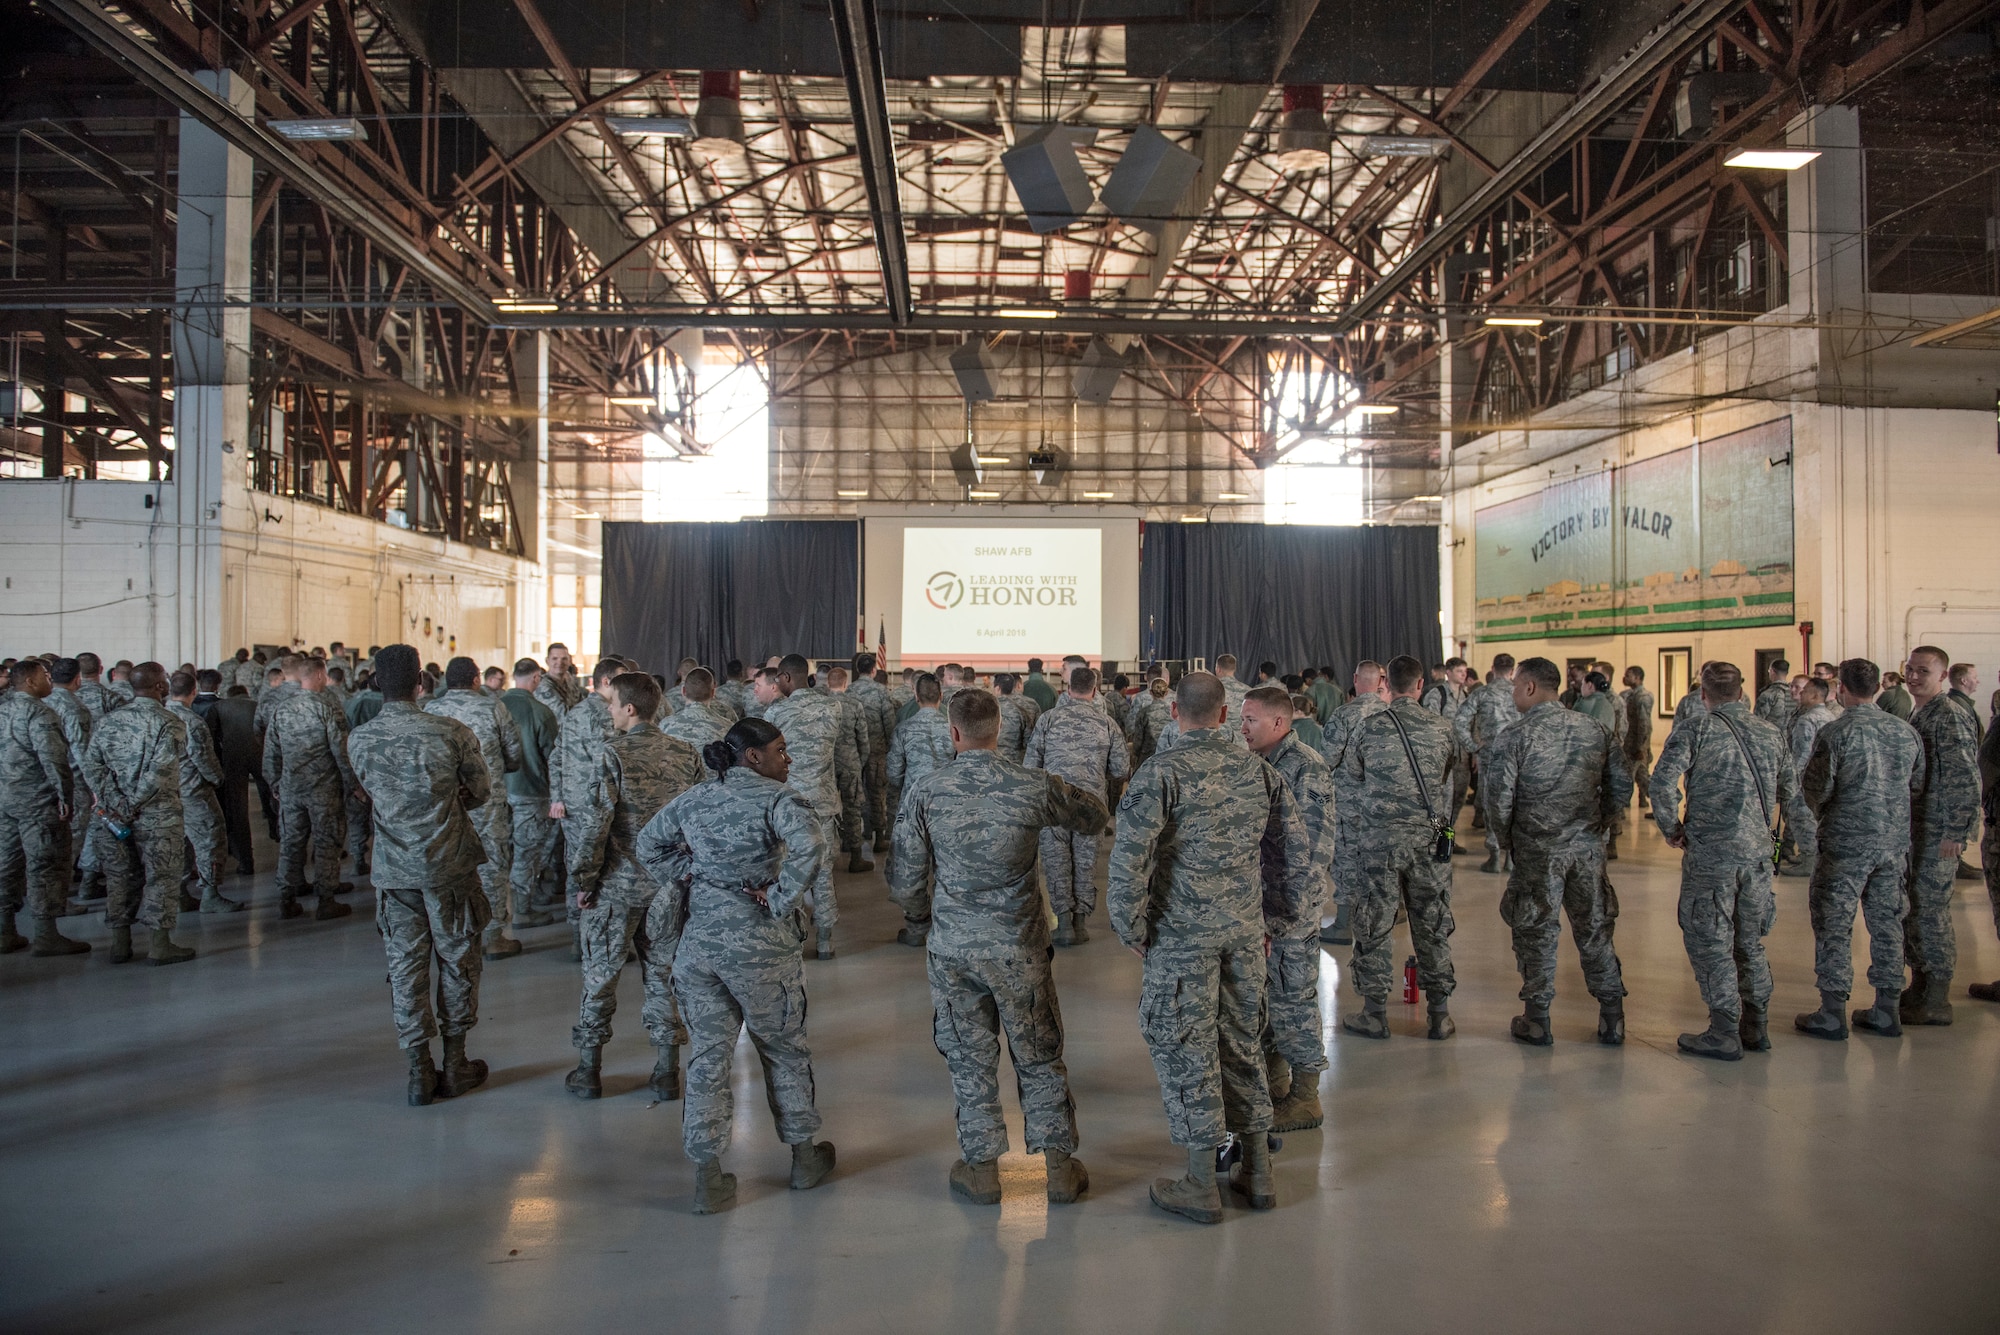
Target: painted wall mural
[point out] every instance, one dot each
(1700, 539)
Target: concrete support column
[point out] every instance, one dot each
(1826, 242)
(1454, 406)
(529, 478)
(211, 370)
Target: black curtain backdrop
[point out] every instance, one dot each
(720, 591)
(1294, 594)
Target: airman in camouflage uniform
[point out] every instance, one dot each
(875, 699)
(75, 718)
(1802, 727)
(133, 767)
(1860, 777)
(1555, 783)
(1638, 740)
(1196, 828)
(1942, 821)
(422, 774)
(735, 860)
(1336, 733)
(856, 722)
(640, 770)
(822, 750)
(1775, 703)
(1077, 741)
(573, 768)
(533, 833)
(1018, 716)
(35, 787)
(97, 698)
(201, 810)
(1739, 774)
(1392, 805)
(1445, 698)
(1150, 716)
(922, 741)
(966, 837)
(1292, 1040)
(500, 748)
(559, 688)
(700, 718)
(305, 762)
(1487, 712)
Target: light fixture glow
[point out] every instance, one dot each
(1771, 159)
(1233, 496)
(1427, 498)
(652, 127)
(586, 514)
(984, 495)
(851, 495)
(993, 458)
(631, 400)
(1514, 321)
(1097, 495)
(1194, 519)
(1026, 313)
(1376, 409)
(523, 306)
(1404, 146)
(320, 127)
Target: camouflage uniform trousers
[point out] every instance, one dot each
(1801, 830)
(495, 823)
(144, 872)
(1545, 884)
(974, 1002)
(1479, 805)
(534, 846)
(1201, 1009)
(1726, 909)
(202, 818)
(609, 931)
(309, 825)
(853, 813)
(875, 793)
(1392, 878)
(1930, 946)
(1291, 1000)
(572, 833)
(1872, 882)
(825, 907)
(1069, 865)
(76, 835)
(1989, 858)
(718, 1000)
(34, 874)
(360, 828)
(446, 921)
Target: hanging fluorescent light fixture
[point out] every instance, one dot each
(1026, 313)
(1771, 159)
(1304, 140)
(1404, 146)
(651, 127)
(631, 401)
(984, 495)
(1375, 409)
(1514, 321)
(1097, 495)
(525, 306)
(319, 127)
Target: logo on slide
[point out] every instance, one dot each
(944, 590)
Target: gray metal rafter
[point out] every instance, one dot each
(859, 36)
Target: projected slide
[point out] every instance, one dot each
(1013, 591)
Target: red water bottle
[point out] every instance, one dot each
(1410, 981)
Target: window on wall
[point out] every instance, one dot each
(1323, 477)
(729, 477)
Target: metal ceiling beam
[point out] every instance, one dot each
(1666, 44)
(151, 67)
(859, 37)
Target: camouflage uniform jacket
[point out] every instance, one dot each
(1638, 703)
(874, 698)
(200, 770)
(1443, 699)
(713, 845)
(1017, 719)
(1149, 724)
(638, 773)
(1726, 816)
(967, 836)
(1078, 741)
(579, 741)
(1690, 705)
(695, 725)
(268, 702)
(1487, 712)
(499, 739)
(922, 743)
(857, 726)
(820, 737)
(1554, 779)
(561, 693)
(1198, 827)
(1310, 783)
(1803, 727)
(75, 723)
(34, 757)
(422, 772)
(1384, 807)
(306, 745)
(97, 699)
(736, 694)
(1336, 738)
(249, 674)
(1949, 806)
(1776, 706)
(133, 762)
(1861, 777)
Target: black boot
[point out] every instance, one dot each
(11, 939)
(811, 1162)
(459, 1075)
(1611, 1022)
(857, 863)
(1753, 1030)
(1720, 1040)
(585, 1081)
(423, 1075)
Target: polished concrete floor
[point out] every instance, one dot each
(224, 1146)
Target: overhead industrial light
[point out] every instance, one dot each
(1194, 519)
(586, 514)
(1097, 495)
(1027, 313)
(630, 400)
(1515, 321)
(1233, 496)
(852, 495)
(1377, 409)
(320, 127)
(718, 117)
(525, 306)
(652, 127)
(1303, 138)
(1427, 498)
(984, 495)
(1404, 146)
(994, 459)
(1046, 464)
(1771, 159)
